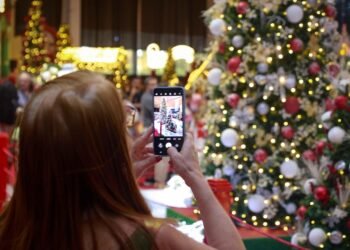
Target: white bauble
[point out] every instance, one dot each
(291, 208)
(326, 116)
(317, 236)
(263, 108)
(336, 135)
(289, 169)
(228, 170)
(340, 165)
(233, 122)
(256, 203)
(217, 27)
(238, 41)
(295, 13)
(291, 81)
(298, 239)
(229, 137)
(260, 79)
(336, 237)
(308, 185)
(262, 68)
(214, 76)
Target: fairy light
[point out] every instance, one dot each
(293, 90)
(283, 144)
(269, 59)
(273, 25)
(297, 156)
(231, 48)
(233, 212)
(229, 28)
(222, 107)
(252, 29)
(265, 97)
(243, 146)
(311, 203)
(280, 176)
(236, 157)
(244, 216)
(273, 109)
(217, 145)
(218, 134)
(301, 25)
(261, 170)
(239, 51)
(265, 224)
(280, 56)
(236, 198)
(290, 51)
(224, 112)
(240, 16)
(255, 223)
(277, 223)
(251, 85)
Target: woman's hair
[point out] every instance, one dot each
(74, 167)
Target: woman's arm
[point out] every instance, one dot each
(220, 231)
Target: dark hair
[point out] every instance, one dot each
(74, 168)
(149, 78)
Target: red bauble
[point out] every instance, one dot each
(341, 102)
(233, 100)
(332, 169)
(330, 11)
(222, 47)
(314, 68)
(321, 193)
(302, 211)
(320, 146)
(309, 155)
(242, 8)
(333, 69)
(233, 64)
(330, 105)
(296, 45)
(260, 156)
(287, 132)
(292, 105)
(348, 224)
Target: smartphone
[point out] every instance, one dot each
(168, 119)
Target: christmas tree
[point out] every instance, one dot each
(268, 80)
(63, 40)
(121, 71)
(169, 75)
(163, 111)
(324, 214)
(34, 53)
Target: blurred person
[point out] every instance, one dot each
(8, 106)
(136, 92)
(76, 189)
(147, 109)
(25, 86)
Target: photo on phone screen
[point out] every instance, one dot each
(168, 118)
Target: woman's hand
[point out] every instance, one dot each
(142, 156)
(186, 162)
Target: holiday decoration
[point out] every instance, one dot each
(292, 105)
(260, 156)
(217, 27)
(330, 11)
(287, 132)
(262, 68)
(302, 211)
(238, 41)
(336, 135)
(169, 74)
(321, 194)
(34, 53)
(290, 169)
(341, 102)
(298, 239)
(296, 45)
(324, 213)
(295, 13)
(256, 203)
(317, 236)
(276, 58)
(233, 100)
(262, 108)
(233, 64)
(63, 41)
(121, 70)
(242, 7)
(309, 155)
(309, 185)
(214, 76)
(229, 137)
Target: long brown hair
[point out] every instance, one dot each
(74, 166)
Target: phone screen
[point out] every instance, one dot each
(169, 116)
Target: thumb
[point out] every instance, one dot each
(173, 153)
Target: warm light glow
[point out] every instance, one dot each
(184, 52)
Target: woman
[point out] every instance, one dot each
(76, 187)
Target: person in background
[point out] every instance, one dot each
(76, 188)
(8, 106)
(136, 92)
(147, 109)
(12, 77)
(25, 86)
